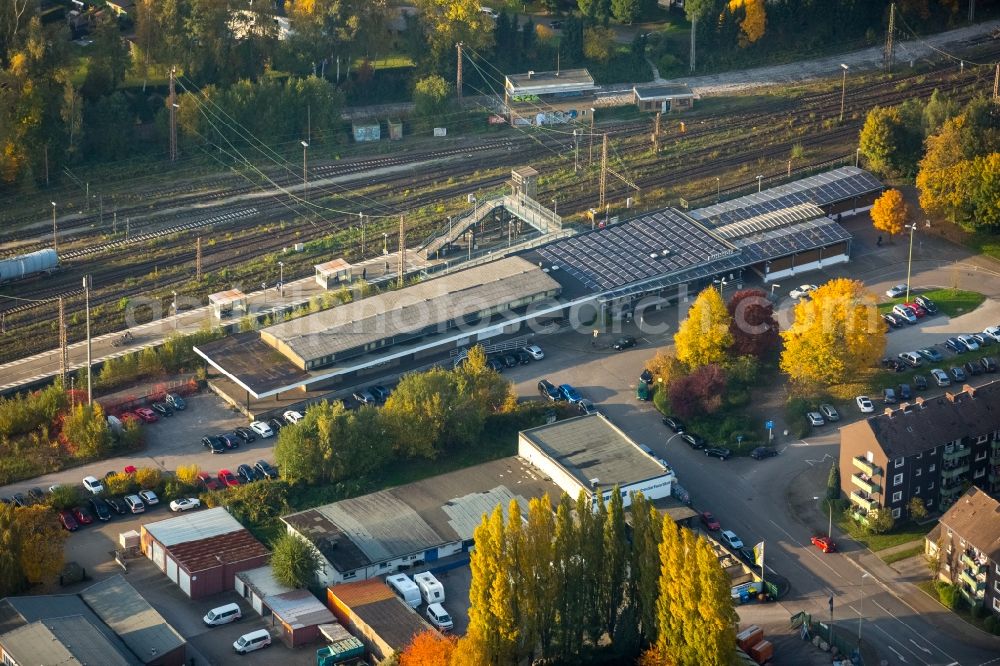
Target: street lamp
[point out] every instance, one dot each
(843, 91)
(909, 260)
(305, 179)
(592, 112)
(760, 183)
(555, 206)
(861, 608)
(385, 244)
(857, 157)
(55, 229)
(773, 287)
(829, 526)
(174, 306)
(281, 279)
(718, 190)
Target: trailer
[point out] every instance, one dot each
(26, 265)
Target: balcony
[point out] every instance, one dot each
(956, 454)
(860, 516)
(864, 500)
(977, 584)
(951, 490)
(995, 458)
(972, 598)
(953, 471)
(863, 481)
(868, 468)
(973, 565)
(995, 446)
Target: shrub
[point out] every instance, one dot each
(992, 624)
(795, 416)
(948, 595)
(147, 477)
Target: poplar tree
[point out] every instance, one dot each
(644, 564)
(669, 615)
(568, 584)
(479, 644)
(591, 546)
(716, 623)
(539, 597)
(615, 560)
(687, 578)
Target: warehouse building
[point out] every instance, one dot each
(297, 613)
(374, 614)
(108, 623)
(202, 551)
(377, 534)
(590, 454)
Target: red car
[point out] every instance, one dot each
(68, 522)
(147, 415)
(227, 478)
(206, 481)
(709, 521)
(128, 416)
(82, 515)
(917, 309)
(825, 544)
(130, 469)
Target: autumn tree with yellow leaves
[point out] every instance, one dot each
(890, 212)
(835, 334)
(704, 337)
(31, 547)
(754, 22)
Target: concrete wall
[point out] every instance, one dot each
(527, 450)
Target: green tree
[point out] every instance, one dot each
(833, 482)
(644, 564)
(294, 561)
(625, 11)
(297, 455)
(891, 140)
(569, 584)
(31, 546)
(86, 432)
(880, 521)
(430, 96)
(257, 502)
(417, 411)
(598, 43)
(447, 22)
(916, 508)
(704, 336)
(939, 109)
(615, 554)
(538, 600)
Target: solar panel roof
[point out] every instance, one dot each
(820, 190)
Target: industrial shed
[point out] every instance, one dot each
(297, 612)
(667, 98)
(203, 551)
(375, 615)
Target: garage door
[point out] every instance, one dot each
(184, 580)
(172, 569)
(158, 554)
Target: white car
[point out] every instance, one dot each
(896, 292)
(292, 416)
(185, 504)
(536, 352)
(149, 497)
(993, 332)
(439, 617)
(802, 290)
(93, 485)
(815, 419)
(941, 377)
(865, 404)
(730, 539)
(969, 342)
(906, 313)
(262, 429)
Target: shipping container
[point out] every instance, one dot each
(762, 652)
(749, 637)
(366, 131)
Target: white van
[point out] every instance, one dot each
(222, 615)
(492, 13)
(255, 640)
(430, 587)
(114, 424)
(439, 617)
(405, 589)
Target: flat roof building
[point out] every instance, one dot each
(591, 454)
(565, 81)
(375, 615)
(667, 98)
(297, 613)
(376, 534)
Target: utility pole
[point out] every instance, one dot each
(55, 229)
(656, 134)
(173, 116)
(694, 31)
(305, 177)
(86, 295)
(576, 139)
(996, 84)
(972, 10)
(590, 160)
(46, 165)
(843, 91)
(63, 346)
(402, 252)
(604, 169)
(889, 46)
(197, 260)
(458, 77)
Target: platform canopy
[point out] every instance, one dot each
(224, 302)
(550, 83)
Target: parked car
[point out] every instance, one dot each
(917, 309)
(523, 357)
(82, 515)
(36, 494)
(68, 522)
(829, 412)
(911, 359)
(803, 290)
(729, 538)
(896, 291)
(20, 500)
(673, 423)
(927, 304)
(989, 364)
(246, 473)
(957, 374)
(230, 440)
(117, 504)
(888, 396)
(129, 417)
(693, 440)
(815, 419)
(275, 425)
(246, 434)
(940, 377)
(825, 544)
(548, 390)
(134, 504)
(555, 25)
(162, 409)
(185, 504)
(969, 342)
(586, 407)
(973, 368)
(762, 452)
(569, 393)
(709, 521)
(718, 452)
(227, 478)
(262, 429)
(919, 382)
(292, 416)
(380, 392)
(213, 444)
(438, 616)
(906, 313)
(993, 332)
(904, 392)
(93, 485)
(893, 320)
(956, 345)
(176, 402)
(206, 481)
(364, 396)
(100, 509)
(147, 415)
(535, 351)
(494, 364)
(266, 470)
(747, 556)
(931, 354)
(510, 360)
(865, 404)
(893, 364)
(148, 497)
(982, 339)
(624, 342)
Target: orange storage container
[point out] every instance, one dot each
(762, 652)
(749, 637)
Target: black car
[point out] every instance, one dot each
(956, 345)
(892, 320)
(624, 343)
(509, 360)
(673, 423)
(983, 339)
(230, 440)
(904, 391)
(762, 452)
(920, 382)
(100, 508)
(380, 392)
(495, 365)
(277, 425)
(988, 362)
(117, 505)
(893, 364)
(548, 391)
(523, 357)
(957, 374)
(246, 473)
(246, 434)
(176, 402)
(266, 469)
(927, 304)
(36, 494)
(213, 443)
(747, 556)
(974, 368)
(20, 499)
(162, 408)
(693, 440)
(718, 452)
(555, 25)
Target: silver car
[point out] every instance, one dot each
(829, 413)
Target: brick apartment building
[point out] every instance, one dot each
(933, 449)
(967, 545)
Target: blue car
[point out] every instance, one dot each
(569, 393)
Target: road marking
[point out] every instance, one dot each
(823, 459)
(898, 655)
(800, 545)
(921, 647)
(893, 616)
(890, 637)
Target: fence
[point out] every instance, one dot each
(841, 642)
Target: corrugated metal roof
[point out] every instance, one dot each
(21, 610)
(193, 526)
(355, 595)
(299, 608)
(261, 580)
(393, 621)
(194, 556)
(64, 641)
(138, 624)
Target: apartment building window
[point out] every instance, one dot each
(930, 486)
(979, 473)
(896, 513)
(981, 456)
(919, 456)
(932, 468)
(919, 471)
(996, 604)
(897, 480)
(916, 491)
(996, 585)
(929, 502)
(899, 462)
(897, 496)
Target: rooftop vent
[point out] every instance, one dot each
(595, 482)
(531, 73)
(653, 255)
